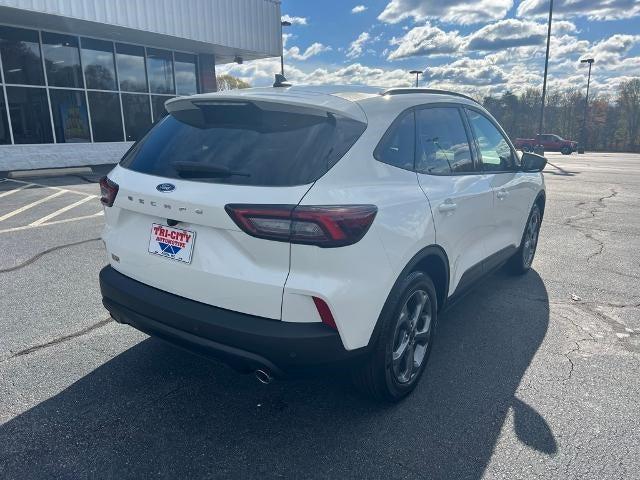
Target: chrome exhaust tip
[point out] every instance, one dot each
(263, 376)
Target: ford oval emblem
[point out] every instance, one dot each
(166, 187)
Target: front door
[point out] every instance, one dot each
(511, 187)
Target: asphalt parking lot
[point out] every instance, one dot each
(530, 377)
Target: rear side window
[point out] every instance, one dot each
(245, 143)
(397, 145)
(442, 146)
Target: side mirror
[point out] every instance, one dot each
(532, 162)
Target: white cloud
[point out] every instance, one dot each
(592, 9)
(451, 11)
(356, 47)
(314, 49)
(425, 40)
(467, 71)
(358, 9)
(359, 74)
(294, 20)
(261, 72)
(500, 35)
(506, 34)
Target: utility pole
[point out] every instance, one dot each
(283, 24)
(417, 73)
(544, 83)
(583, 140)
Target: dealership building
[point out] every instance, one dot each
(80, 80)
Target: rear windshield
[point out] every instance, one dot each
(245, 143)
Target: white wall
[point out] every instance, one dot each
(249, 25)
(27, 157)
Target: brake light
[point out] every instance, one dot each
(108, 191)
(325, 312)
(323, 226)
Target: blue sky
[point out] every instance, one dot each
(480, 47)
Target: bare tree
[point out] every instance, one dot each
(629, 101)
(229, 82)
(613, 125)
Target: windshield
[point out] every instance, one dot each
(245, 143)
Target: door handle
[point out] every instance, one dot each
(502, 194)
(447, 206)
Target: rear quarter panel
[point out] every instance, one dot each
(355, 281)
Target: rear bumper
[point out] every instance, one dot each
(243, 341)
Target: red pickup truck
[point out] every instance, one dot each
(550, 143)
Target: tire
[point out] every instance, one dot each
(520, 262)
(405, 320)
(566, 151)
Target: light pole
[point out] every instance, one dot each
(583, 140)
(416, 73)
(544, 83)
(283, 24)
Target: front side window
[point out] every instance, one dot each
(495, 151)
(62, 60)
(442, 146)
(397, 145)
(245, 143)
(20, 52)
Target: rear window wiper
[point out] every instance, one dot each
(203, 170)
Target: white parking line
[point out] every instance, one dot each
(22, 187)
(46, 186)
(61, 211)
(31, 205)
(56, 222)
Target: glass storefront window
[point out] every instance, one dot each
(99, 64)
(160, 68)
(5, 135)
(29, 112)
(70, 118)
(137, 115)
(62, 60)
(186, 76)
(66, 89)
(106, 120)
(131, 69)
(20, 51)
(158, 102)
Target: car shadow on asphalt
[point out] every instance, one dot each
(155, 410)
(560, 171)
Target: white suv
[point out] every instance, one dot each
(281, 229)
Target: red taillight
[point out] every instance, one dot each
(325, 312)
(323, 226)
(108, 191)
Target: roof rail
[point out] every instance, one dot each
(398, 91)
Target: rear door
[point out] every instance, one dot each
(168, 227)
(460, 196)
